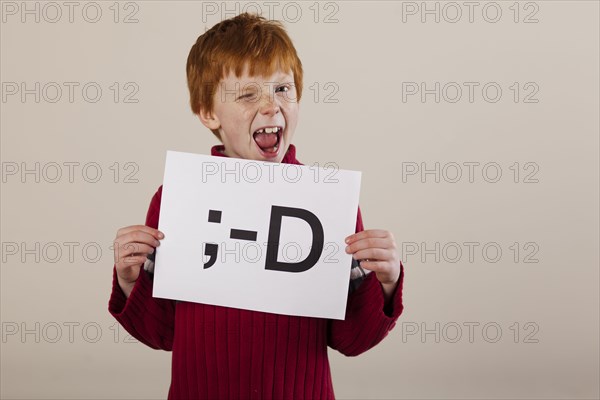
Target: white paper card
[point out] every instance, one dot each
(274, 242)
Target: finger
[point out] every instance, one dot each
(384, 271)
(375, 266)
(139, 237)
(154, 232)
(133, 249)
(382, 243)
(125, 245)
(134, 260)
(373, 254)
(137, 249)
(374, 233)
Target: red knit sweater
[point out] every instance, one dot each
(221, 352)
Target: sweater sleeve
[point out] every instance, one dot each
(367, 321)
(150, 320)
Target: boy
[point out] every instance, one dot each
(221, 352)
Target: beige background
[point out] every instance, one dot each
(366, 55)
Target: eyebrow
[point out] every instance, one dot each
(284, 78)
(253, 87)
(279, 79)
(283, 75)
(247, 89)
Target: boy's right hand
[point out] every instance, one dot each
(132, 245)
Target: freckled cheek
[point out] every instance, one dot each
(248, 115)
(291, 116)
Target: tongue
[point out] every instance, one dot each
(266, 140)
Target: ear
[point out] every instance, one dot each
(209, 119)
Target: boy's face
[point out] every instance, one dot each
(256, 116)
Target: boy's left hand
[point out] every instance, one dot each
(376, 250)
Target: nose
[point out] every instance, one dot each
(269, 106)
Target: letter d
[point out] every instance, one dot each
(316, 249)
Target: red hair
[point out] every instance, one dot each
(247, 39)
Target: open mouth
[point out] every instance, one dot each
(268, 139)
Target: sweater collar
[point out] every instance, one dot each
(289, 158)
